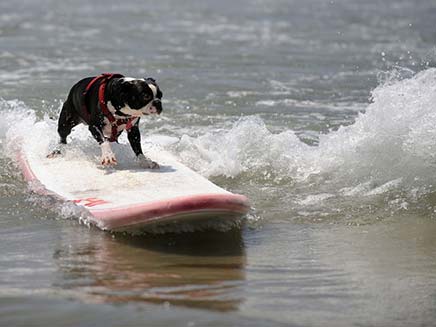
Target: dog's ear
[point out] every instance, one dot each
(121, 86)
(125, 88)
(150, 79)
(120, 91)
(116, 86)
(126, 85)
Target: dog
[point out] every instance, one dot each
(110, 104)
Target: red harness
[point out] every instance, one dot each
(115, 123)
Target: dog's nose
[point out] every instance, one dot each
(158, 105)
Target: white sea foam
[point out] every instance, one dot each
(394, 134)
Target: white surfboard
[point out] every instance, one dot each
(127, 197)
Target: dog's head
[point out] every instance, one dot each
(138, 97)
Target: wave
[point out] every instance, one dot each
(388, 152)
(393, 138)
(384, 161)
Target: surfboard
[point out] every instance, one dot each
(128, 197)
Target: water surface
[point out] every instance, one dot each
(321, 112)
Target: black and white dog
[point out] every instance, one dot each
(110, 104)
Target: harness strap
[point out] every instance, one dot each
(115, 123)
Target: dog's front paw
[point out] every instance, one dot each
(147, 163)
(107, 156)
(57, 151)
(54, 154)
(109, 160)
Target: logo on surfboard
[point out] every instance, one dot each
(90, 202)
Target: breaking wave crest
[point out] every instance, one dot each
(388, 153)
(394, 138)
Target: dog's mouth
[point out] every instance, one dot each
(156, 106)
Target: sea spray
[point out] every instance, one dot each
(247, 146)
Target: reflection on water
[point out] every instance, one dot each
(202, 270)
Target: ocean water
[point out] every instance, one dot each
(321, 112)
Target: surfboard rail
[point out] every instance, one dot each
(198, 206)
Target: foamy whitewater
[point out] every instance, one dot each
(384, 161)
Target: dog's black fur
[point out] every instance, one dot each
(125, 98)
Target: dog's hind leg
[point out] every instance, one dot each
(67, 120)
